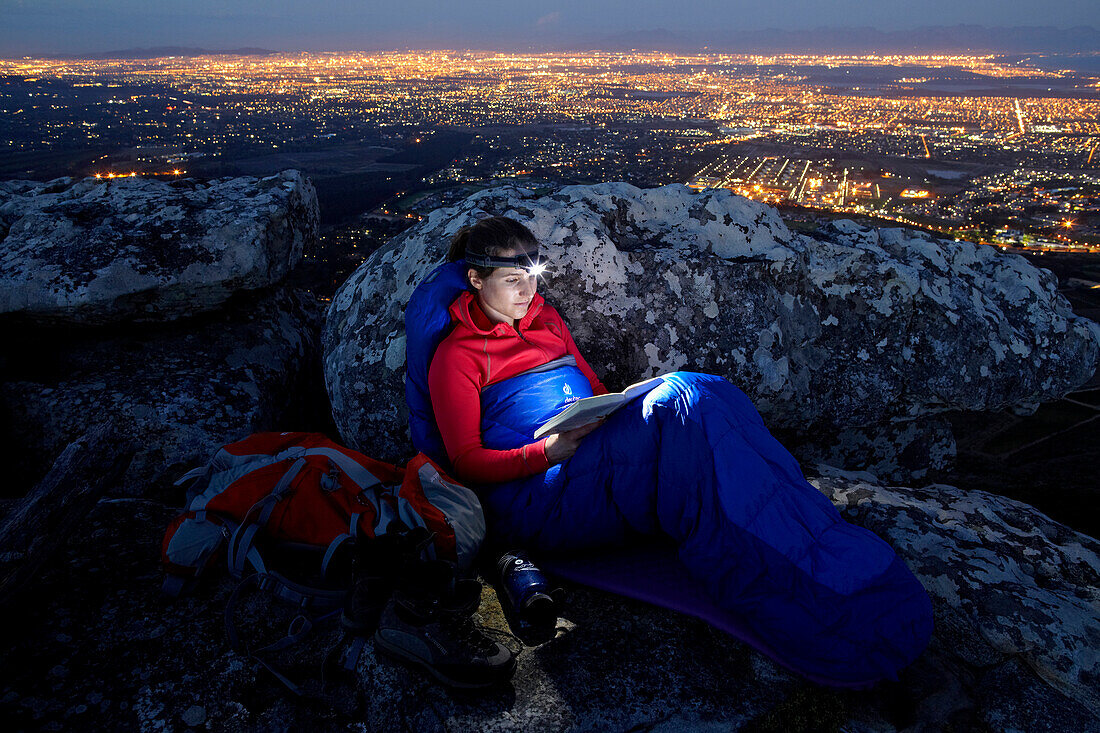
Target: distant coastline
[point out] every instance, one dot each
(1082, 63)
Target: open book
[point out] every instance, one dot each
(591, 409)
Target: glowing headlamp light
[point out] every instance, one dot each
(535, 264)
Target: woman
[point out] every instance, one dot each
(691, 461)
(503, 328)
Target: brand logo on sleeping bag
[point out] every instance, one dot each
(569, 398)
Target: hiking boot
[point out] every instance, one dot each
(437, 632)
(371, 586)
(376, 563)
(364, 603)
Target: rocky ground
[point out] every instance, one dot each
(92, 645)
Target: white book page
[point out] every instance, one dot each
(580, 413)
(640, 388)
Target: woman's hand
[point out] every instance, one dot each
(560, 447)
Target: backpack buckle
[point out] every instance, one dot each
(331, 480)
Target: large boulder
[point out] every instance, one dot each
(97, 251)
(181, 390)
(849, 328)
(1012, 588)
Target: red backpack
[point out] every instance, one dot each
(304, 490)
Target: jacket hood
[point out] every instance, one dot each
(466, 311)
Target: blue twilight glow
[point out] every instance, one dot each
(88, 26)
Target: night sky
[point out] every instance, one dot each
(80, 26)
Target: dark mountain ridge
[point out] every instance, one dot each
(945, 39)
(961, 38)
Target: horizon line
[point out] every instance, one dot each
(714, 42)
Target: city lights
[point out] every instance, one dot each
(777, 128)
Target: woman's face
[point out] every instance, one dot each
(504, 296)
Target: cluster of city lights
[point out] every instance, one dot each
(133, 174)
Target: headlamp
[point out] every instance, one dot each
(535, 264)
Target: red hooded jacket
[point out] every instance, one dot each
(478, 353)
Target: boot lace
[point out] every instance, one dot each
(466, 631)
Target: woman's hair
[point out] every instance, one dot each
(491, 237)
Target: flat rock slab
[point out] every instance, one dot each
(96, 251)
(903, 452)
(181, 391)
(850, 328)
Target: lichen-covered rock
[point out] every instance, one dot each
(1010, 583)
(181, 390)
(852, 328)
(96, 251)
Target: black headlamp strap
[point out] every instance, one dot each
(523, 260)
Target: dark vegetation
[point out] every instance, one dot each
(344, 197)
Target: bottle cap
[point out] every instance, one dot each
(539, 606)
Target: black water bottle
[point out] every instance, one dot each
(531, 604)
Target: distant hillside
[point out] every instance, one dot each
(1083, 40)
(973, 38)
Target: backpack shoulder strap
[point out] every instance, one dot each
(241, 550)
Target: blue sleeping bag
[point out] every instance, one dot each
(759, 552)
(427, 321)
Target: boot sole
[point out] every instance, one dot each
(401, 655)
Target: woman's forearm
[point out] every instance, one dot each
(486, 466)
